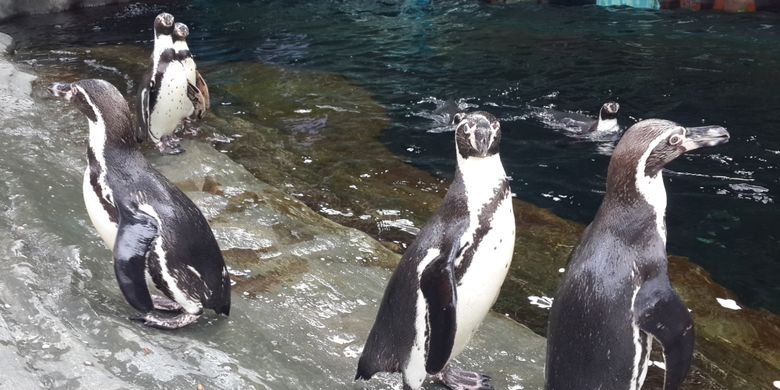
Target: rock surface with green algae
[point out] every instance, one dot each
(330, 277)
(373, 179)
(305, 295)
(315, 137)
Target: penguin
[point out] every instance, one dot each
(615, 297)
(150, 225)
(446, 112)
(163, 98)
(451, 274)
(197, 90)
(581, 125)
(607, 121)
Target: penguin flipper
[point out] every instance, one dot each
(142, 129)
(196, 98)
(137, 231)
(592, 128)
(659, 312)
(437, 283)
(204, 91)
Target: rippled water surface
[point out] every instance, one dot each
(516, 61)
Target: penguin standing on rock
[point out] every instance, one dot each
(450, 276)
(615, 297)
(163, 97)
(151, 226)
(197, 90)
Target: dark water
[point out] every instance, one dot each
(511, 60)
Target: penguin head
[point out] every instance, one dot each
(180, 32)
(163, 24)
(104, 107)
(477, 134)
(649, 145)
(609, 110)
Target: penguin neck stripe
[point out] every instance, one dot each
(97, 127)
(651, 188)
(96, 173)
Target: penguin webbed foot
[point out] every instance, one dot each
(457, 379)
(166, 323)
(188, 128)
(165, 304)
(169, 145)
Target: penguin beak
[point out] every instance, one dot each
(482, 136)
(62, 90)
(704, 136)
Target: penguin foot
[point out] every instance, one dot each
(165, 304)
(154, 321)
(169, 145)
(457, 379)
(188, 128)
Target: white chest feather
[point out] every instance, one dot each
(190, 69)
(98, 215)
(607, 125)
(161, 43)
(494, 237)
(188, 63)
(172, 104)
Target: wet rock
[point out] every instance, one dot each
(306, 289)
(314, 138)
(340, 169)
(15, 84)
(738, 347)
(282, 254)
(6, 43)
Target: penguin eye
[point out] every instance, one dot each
(676, 139)
(495, 125)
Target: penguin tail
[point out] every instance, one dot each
(372, 362)
(224, 309)
(221, 300)
(363, 371)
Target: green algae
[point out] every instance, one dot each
(314, 137)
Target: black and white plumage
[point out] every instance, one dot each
(163, 97)
(450, 276)
(607, 121)
(197, 90)
(615, 297)
(151, 226)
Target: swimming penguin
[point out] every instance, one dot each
(615, 297)
(163, 98)
(607, 122)
(450, 276)
(197, 90)
(151, 226)
(446, 111)
(581, 125)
